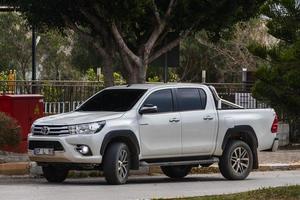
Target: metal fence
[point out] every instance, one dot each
(65, 96)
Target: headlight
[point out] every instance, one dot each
(32, 128)
(90, 128)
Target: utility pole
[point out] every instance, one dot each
(33, 53)
(33, 48)
(166, 68)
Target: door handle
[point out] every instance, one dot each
(208, 117)
(174, 120)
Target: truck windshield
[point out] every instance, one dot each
(116, 100)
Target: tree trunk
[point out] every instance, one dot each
(142, 73)
(108, 71)
(107, 56)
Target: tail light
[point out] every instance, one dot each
(274, 127)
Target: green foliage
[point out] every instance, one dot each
(278, 193)
(118, 78)
(55, 56)
(84, 55)
(222, 59)
(53, 49)
(173, 76)
(52, 93)
(196, 57)
(3, 83)
(278, 80)
(15, 43)
(91, 74)
(258, 50)
(153, 79)
(10, 131)
(137, 21)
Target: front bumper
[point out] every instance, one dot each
(68, 152)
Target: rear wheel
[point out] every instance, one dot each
(237, 160)
(176, 171)
(55, 174)
(116, 163)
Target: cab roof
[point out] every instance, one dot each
(154, 85)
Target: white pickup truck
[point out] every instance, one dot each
(174, 126)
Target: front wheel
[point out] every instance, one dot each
(176, 171)
(116, 163)
(55, 174)
(237, 160)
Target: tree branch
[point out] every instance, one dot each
(158, 30)
(95, 22)
(165, 49)
(156, 12)
(87, 36)
(126, 62)
(170, 8)
(75, 28)
(123, 46)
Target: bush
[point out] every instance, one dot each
(10, 131)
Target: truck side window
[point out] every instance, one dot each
(190, 99)
(203, 98)
(162, 99)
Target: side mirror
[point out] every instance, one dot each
(148, 109)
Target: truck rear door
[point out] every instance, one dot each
(199, 121)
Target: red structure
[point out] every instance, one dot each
(25, 109)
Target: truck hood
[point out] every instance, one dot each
(77, 117)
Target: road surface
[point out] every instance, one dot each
(138, 187)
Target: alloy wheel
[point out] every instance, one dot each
(239, 160)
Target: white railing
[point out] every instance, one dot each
(60, 107)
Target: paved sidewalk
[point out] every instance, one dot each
(280, 156)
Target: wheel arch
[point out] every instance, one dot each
(244, 133)
(129, 138)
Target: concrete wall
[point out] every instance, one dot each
(283, 134)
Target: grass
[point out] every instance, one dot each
(278, 193)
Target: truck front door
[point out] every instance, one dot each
(160, 132)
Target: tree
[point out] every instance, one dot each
(222, 59)
(15, 44)
(55, 56)
(278, 79)
(136, 29)
(84, 55)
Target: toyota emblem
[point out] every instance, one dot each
(45, 130)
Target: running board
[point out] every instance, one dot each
(173, 163)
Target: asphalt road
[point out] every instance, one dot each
(140, 187)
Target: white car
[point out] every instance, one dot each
(175, 126)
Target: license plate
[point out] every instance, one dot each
(43, 151)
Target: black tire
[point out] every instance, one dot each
(55, 174)
(176, 171)
(116, 163)
(237, 160)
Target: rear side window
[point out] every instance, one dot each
(191, 99)
(203, 98)
(162, 99)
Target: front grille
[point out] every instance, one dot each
(50, 130)
(46, 144)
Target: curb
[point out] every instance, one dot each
(33, 170)
(17, 168)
